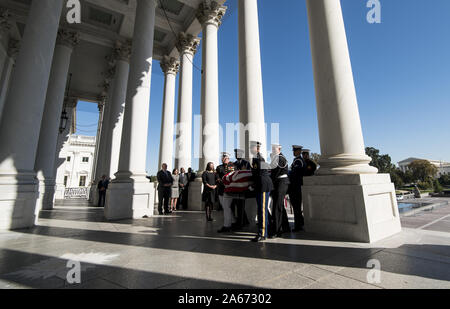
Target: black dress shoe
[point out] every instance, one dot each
(279, 235)
(161, 214)
(300, 229)
(258, 239)
(224, 230)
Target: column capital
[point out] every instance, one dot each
(122, 51)
(211, 13)
(68, 38)
(13, 48)
(187, 43)
(5, 20)
(71, 102)
(170, 65)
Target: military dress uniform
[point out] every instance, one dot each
(311, 166)
(280, 179)
(262, 187)
(238, 206)
(296, 175)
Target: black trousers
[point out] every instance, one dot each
(184, 198)
(164, 197)
(101, 198)
(296, 201)
(279, 212)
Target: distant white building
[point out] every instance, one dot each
(443, 167)
(77, 157)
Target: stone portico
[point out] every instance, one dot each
(110, 56)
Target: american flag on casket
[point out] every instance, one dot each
(237, 181)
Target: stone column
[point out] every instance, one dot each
(170, 67)
(22, 116)
(187, 46)
(349, 200)
(48, 139)
(121, 55)
(251, 99)
(6, 57)
(129, 195)
(210, 16)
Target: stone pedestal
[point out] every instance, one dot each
(195, 195)
(360, 208)
(127, 200)
(17, 205)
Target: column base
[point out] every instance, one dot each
(360, 208)
(18, 203)
(195, 201)
(46, 200)
(130, 199)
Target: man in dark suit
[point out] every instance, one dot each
(296, 175)
(184, 181)
(102, 187)
(165, 182)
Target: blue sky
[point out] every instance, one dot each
(401, 69)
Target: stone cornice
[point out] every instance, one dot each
(187, 43)
(170, 65)
(68, 38)
(211, 13)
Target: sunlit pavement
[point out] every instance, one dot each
(184, 251)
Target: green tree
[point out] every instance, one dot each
(382, 162)
(422, 170)
(396, 177)
(445, 180)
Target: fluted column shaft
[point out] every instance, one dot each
(25, 103)
(210, 17)
(133, 150)
(187, 46)
(170, 67)
(48, 139)
(341, 137)
(117, 102)
(251, 99)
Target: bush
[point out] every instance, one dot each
(444, 180)
(425, 185)
(437, 186)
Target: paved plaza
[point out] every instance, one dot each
(184, 251)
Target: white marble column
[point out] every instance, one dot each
(170, 67)
(251, 99)
(48, 139)
(341, 137)
(349, 200)
(187, 46)
(22, 115)
(210, 16)
(122, 53)
(130, 194)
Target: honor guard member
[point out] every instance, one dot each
(262, 187)
(296, 174)
(279, 174)
(241, 164)
(311, 166)
(222, 170)
(239, 205)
